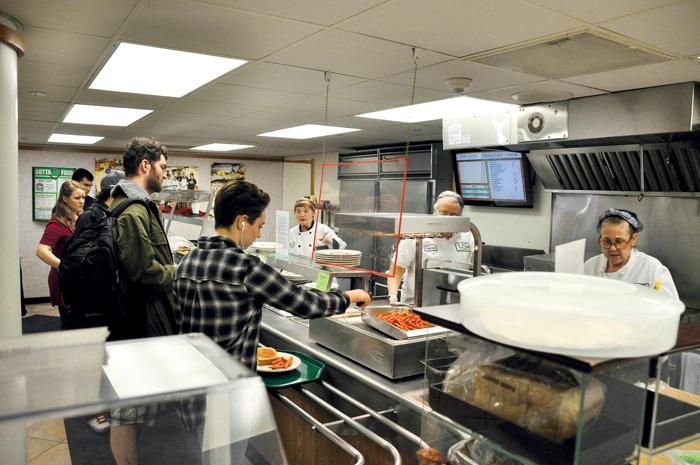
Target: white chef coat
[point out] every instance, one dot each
(300, 242)
(640, 269)
(455, 252)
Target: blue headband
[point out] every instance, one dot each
(634, 222)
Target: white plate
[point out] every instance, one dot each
(264, 245)
(295, 364)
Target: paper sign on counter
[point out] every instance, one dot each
(568, 258)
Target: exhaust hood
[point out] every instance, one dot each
(601, 143)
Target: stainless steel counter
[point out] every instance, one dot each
(293, 334)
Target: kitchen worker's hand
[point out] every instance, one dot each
(327, 239)
(359, 297)
(393, 300)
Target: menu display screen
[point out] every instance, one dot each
(493, 178)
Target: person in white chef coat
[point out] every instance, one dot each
(301, 236)
(618, 233)
(453, 249)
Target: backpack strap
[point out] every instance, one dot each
(119, 209)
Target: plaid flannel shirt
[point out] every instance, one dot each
(222, 289)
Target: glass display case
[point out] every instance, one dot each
(673, 399)
(491, 404)
(175, 400)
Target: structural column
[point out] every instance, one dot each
(11, 49)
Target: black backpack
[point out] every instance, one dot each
(92, 282)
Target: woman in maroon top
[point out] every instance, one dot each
(69, 206)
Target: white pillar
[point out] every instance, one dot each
(10, 47)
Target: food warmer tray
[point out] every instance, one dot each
(347, 335)
(370, 316)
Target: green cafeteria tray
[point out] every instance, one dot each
(309, 371)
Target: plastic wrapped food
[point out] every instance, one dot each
(430, 456)
(527, 391)
(474, 452)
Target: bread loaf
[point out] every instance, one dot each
(530, 393)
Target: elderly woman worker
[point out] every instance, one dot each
(60, 227)
(619, 231)
(456, 249)
(301, 237)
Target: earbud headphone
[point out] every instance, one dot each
(241, 226)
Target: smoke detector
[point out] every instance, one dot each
(457, 85)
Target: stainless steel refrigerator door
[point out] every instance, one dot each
(359, 196)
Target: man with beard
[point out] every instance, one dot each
(147, 264)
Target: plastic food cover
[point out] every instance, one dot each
(570, 314)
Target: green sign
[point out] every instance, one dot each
(323, 281)
(46, 183)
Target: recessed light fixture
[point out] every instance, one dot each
(438, 109)
(74, 139)
(221, 147)
(38, 93)
(164, 72)
(104, 116)
(308, 131)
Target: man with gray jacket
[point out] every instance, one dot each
(147, 263)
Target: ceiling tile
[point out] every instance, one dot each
(53, 93)
(504, 95)
(215, 30)
(336, 106)
(122, 99)
(50, 74)
(353, 54)
(390, 94)
(673, 28)
(43, 105)
(285, 78)
(39, 115)
(459, 28)
(35, 126)
(325, 12)
(202, 107)
(483, 77)
(595, 11)
(227, 93)
(62, 47)
(99, 18)
(658, 74)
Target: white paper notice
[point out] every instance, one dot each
(282, 234)
(568, 258)
(454, 134)
(161, 365)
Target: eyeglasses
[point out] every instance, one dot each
(618, 242)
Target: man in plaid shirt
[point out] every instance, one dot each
(222, 289)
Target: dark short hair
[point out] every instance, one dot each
(239, 198)
(82, 173)
(142, 148)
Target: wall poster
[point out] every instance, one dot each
(104, 166)
(221, 173)
(46, 183)
(181, 178)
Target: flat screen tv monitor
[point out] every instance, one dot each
(493, 179)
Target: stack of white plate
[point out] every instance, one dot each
(295, 278)
(264, 247)
(338, 257)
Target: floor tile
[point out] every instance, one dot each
(50, 429)
(37, 446)
(57, 455)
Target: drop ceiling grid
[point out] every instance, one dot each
(215, 30)
(673, 28)
(669, 72)
(321, 12)
(352, 54)
(483, 77)
(459, 28)
(597, 11)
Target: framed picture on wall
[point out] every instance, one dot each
(46, 184)
(221, 173)
(104, 166)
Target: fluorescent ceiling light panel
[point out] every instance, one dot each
(222, 147)
(104, 116)
(73, 139)
(438, 109)
(159, 71)
(308, 131)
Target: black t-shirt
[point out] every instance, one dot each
(191, 183)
